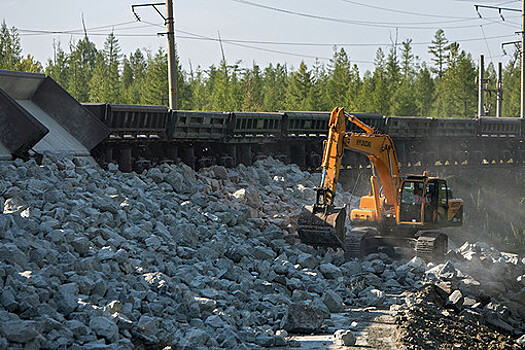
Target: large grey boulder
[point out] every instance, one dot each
(333, 301)
(103, 327)
(67, 298)
(19, 331)
(330, 271)
(371, 297)
(344, 338)
(302, 318)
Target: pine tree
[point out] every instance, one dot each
(364, 102)
(339, 79)
(199, 93)
(299, 88)
(439, 49)
(424, 91)
(512, 86)
(10, 48)
(376, 93)
(133, 75)
(105, 83)
(352, 94)
(252, 89)
(220, 96)
(403, 102)
(80, 68)
(99, 85)
(274, 88)
(127, 77)
(407, 61)
(58, 68)
(456, 90)
(235, 92)
(156, 85)
(393, 70)
(112, 52)
(317, 100)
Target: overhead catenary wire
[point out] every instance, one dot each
(487, 43)
(131, 26)
(403, 12)
(195, 36)
(418, 26)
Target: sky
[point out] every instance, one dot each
(268, 31)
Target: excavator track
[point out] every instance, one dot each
(354, 245)
(431, 246)
(356, 242)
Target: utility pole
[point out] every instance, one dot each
(499, 89)
(522, 50)
(485, 86)
(172, 62)
(522, 110)
(481, 83)
(169, 21)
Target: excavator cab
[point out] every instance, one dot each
(428, 202)
(411, 205)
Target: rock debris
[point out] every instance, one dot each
(173, 258)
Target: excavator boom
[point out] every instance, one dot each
(322, 224)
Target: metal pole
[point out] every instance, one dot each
(172, 63)
(522, 112)
(499, 92)
(480, 85)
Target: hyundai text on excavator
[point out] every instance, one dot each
(398, 212)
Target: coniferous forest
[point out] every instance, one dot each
(400, 83)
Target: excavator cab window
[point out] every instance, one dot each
(443, 196)
(411, 201)
(431, 201)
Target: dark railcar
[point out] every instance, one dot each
(198, 125)
(251, 124)
(132, 121)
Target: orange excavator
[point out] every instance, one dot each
(398, 212)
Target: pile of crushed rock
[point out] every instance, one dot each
(95, 259)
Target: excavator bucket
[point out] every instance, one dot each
(322, 226)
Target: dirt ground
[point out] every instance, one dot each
(424, 324)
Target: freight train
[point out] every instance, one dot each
(143, 136)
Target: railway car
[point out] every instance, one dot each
(142, 136)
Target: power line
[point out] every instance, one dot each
(401, 11)
(194, 36)
(418, 26)
(260, 48)
(77, 31)
(291, 43)
(487, 43)
(47, 32)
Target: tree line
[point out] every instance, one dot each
(400, 83)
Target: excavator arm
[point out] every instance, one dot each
(332, 157)
(323, 217)
(377, 147)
